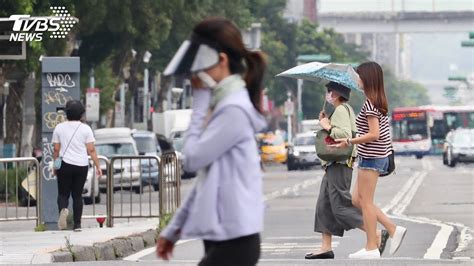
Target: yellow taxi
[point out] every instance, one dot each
(272, 148)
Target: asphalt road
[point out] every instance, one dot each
(433, 201)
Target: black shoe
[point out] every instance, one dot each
(320, 256)
(383, 241)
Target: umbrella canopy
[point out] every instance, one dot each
(325, 72)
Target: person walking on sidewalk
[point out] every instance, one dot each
(373, 149)
(72, 141)
(225, 208)
(334, 210)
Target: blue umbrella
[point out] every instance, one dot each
(325, 72)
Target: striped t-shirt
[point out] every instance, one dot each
(381, 147)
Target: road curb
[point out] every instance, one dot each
(112, 249)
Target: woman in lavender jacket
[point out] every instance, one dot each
(225, 208)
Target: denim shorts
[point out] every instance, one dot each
(379, 165)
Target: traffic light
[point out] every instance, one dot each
(470, 42)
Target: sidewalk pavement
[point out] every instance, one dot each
(29, 247)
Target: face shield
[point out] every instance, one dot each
(193, 56)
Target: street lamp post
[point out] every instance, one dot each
(146, 107)
(3, 95)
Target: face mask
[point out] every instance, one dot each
(329, 98)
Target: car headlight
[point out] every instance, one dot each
(133, 169)
(296, 153)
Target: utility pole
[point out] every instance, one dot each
(289, 110)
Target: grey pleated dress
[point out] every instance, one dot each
(334, 210)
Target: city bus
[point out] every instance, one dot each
(421, 130)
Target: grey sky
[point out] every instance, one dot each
(394, 5)
(433, 54)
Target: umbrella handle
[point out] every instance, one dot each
(324, 105)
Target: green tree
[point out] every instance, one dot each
(20, 70)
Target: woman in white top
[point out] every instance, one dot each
(73, 141)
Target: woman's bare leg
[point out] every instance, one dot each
(327, 243)
(381, 216)
(367, 181)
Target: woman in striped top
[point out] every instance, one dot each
(373, 148)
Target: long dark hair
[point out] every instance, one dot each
(371, 75)
(226, 36)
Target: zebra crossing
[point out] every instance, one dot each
(283, 246)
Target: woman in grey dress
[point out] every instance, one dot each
(334, 210)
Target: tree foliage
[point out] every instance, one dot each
(109, 30)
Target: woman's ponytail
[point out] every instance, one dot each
(256, 66)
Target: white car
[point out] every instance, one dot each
(112, 142)
(302, 153)
(91, 188)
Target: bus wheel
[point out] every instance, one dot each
(419, 156)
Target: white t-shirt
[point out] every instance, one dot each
(76, 154)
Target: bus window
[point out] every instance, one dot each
(470, 120)
(452, 120)
(410, 130)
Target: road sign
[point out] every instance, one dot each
(10, 50)
(305, 58)
(457, 78)
(92, 104)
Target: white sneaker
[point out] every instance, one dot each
(355, 254)
(397, 239)
(62, 221)
(366, 254)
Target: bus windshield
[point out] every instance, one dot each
(409, 130)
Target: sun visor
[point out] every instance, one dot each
(192, 57)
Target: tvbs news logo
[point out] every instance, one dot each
(28, 28)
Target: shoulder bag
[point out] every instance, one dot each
(330, 154)
(391, 164)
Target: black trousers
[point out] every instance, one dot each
(242, 251)
(71, 180)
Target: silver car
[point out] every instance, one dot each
(111, 142)
(459, 147)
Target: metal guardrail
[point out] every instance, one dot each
(9, 169)
(122, 174)
(170, 183)
(94, 187)
(134, 173)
